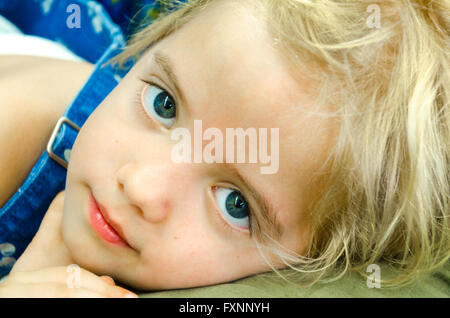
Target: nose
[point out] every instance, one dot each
(148, 188)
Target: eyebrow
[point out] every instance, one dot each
(267, 213)
(163, 61)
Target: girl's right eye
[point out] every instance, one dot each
(159, 104)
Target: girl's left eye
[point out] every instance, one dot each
(234, 208)
(159, 104)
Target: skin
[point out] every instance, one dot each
(33, 98)
(166, 210)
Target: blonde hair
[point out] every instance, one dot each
(387, 189)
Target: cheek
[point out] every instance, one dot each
(96, 143)
(196, 261)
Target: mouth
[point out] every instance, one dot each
(103, 225)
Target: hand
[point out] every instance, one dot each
(47, 249)
(56, 282)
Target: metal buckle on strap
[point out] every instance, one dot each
(61, 121)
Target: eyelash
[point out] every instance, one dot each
(227, 226)
(140, 106)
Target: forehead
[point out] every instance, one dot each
(230, 54)
(232, 75)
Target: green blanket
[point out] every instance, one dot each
(269, 285)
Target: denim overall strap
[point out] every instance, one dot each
(22, 214)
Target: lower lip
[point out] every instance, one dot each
(103, 229)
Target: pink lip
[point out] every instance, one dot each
(104, 228)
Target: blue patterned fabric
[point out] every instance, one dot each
(104, 26)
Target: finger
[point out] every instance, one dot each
(46, 290)
(72, 276)
(79, 277)
(108, 280)
(58, 201)
(53, 216)
(60, 196)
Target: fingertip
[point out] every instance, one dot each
(127, 294)
(108, 280)
(60, 194)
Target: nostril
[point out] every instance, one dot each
(155, 212)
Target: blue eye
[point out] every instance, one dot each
(159, 104)
(234, 207)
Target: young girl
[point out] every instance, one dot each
(360, 95)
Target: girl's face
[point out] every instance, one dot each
(192, 224)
